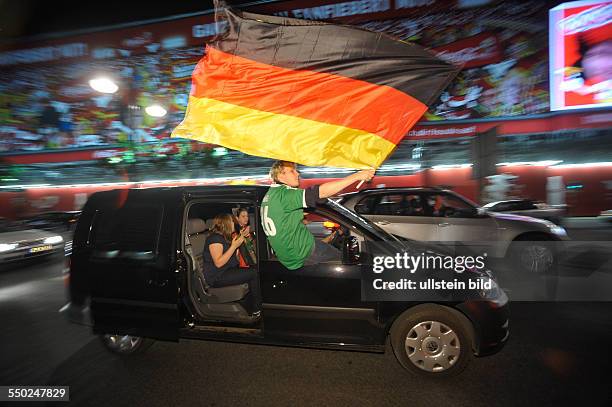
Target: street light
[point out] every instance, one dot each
(156, 111)
(103, 85)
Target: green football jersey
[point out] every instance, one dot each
(281, 216)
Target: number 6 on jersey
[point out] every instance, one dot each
(268, 224)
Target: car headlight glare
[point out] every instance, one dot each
(556, 229)
(53, 240)
(5, 247)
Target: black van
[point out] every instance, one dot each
(136, 266)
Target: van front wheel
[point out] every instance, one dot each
(432, 341)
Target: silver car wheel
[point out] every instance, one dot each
(122, 343)
(432, 346)
(536, 258)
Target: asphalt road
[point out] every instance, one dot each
(559, 354)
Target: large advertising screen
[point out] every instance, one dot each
(47, 103)
(581, 55)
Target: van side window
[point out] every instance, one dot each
(328, 230)
(105, 222)
(130, 228)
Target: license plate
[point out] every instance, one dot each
(41, 248)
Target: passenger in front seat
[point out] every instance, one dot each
(221, 261)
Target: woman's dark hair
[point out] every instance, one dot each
(237, 213)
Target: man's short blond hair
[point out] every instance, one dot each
(277, 168)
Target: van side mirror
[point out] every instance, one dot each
(350, 250)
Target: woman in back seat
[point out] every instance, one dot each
(247, 250)
(221, 261)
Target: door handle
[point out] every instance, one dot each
(444, 224)
(383, 222)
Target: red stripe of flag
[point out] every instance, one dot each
(311, 95)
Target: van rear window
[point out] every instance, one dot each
(130, 228)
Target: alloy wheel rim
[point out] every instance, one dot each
(432, 346)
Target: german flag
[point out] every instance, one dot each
(311, 92)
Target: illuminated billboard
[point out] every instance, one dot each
(47, 102)
(581, 55)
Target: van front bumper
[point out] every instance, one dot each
(491, 321)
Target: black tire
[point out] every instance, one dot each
(125, 345)
(445, 353)
(521, 250)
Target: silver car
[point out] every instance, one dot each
(16, 244)
(438, 215)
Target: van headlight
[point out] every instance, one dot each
(489, 288)
(53, 240)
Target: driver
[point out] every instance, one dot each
(282, 214)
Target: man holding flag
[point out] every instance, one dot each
(282, 214)
(313, 93)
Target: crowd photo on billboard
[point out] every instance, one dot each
(49, 106)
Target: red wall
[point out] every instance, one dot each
(596, 194)
(531, 181)
(594, 197)
(457, 178)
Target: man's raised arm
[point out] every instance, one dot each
(331, 188)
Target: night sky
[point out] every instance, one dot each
(27, 18)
